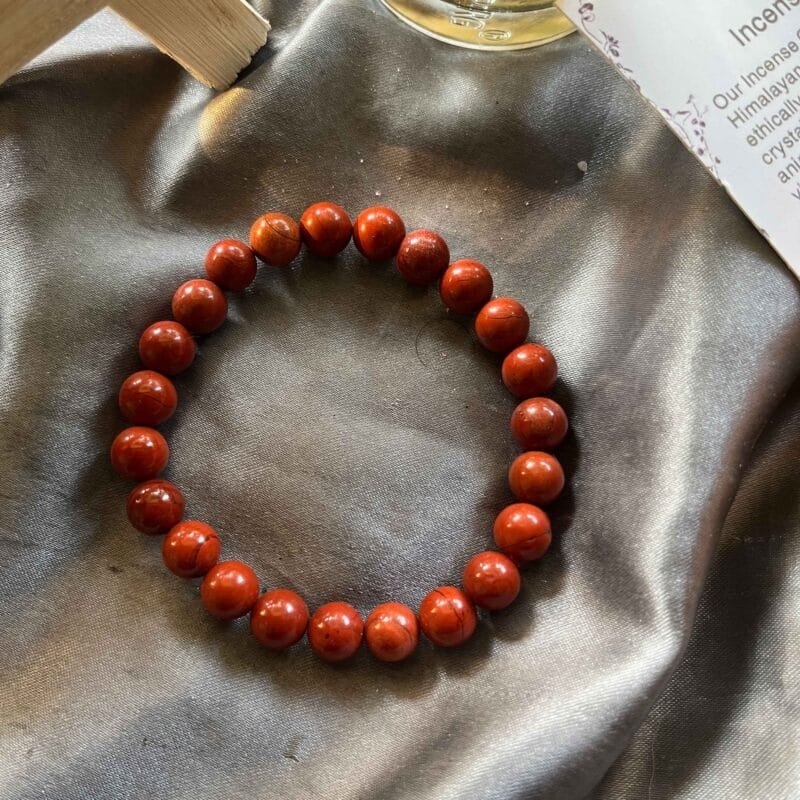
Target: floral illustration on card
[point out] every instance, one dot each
(687, 122)
(608, 44)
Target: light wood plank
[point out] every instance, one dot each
(212, 39)
(28, 27)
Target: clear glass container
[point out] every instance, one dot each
(485, 24)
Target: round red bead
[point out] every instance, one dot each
(229, 590)
(231, 264)
(536, 477)
(190, 549)
(147, 398)
(491, 580)
(502, 324)
(529, 370)
(391, 632)
(377, 233)
(466, 286)
(167, 347)
(447, 616)
(423, 256)
(276, 238)
(155, 507)
(522, 532)
(539, 423)
(326, 229)
(139, 453)
(279, 619)
(335, 631)
(200, 305)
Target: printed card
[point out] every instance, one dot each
(725, 75)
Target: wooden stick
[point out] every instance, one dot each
(27, 27)
(212, 39)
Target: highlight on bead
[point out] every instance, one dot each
(167, 347)
(139, 453)
(522, 531)
(335, 631)
(147, 398)
(229, 590)
(466, 286)
(536, 477)
(326, 229)
(155, 506)
(391, 632)
(378, 232)
(529, 370)
(190, 549)
(539, 423)
(275, 238)
(199, 305)
(502, 324)
(447, 616)
(231, 264)
(491, 580)
(422, 257)
(279, 617)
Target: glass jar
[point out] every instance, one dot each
(485, 24)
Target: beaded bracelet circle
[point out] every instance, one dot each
(279, 617)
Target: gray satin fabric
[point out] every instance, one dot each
(350, 440)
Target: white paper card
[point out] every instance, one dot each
(725, 75)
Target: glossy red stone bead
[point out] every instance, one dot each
(335, 631)
(378, 232)
(229, 590)
(231, 264)
(491, 580)
(536, 477)
(326, 229)
(139, 453)
(167, 347)
(522, 531)
(190, 549)
(529, 370)
(539, 423)
(199, 305)
(391, 632)
(276, 239)
(423, 256)
(447, 616)
(466, 286)
(147, 398)
(155, 507)
(502, 324)
(279, 619)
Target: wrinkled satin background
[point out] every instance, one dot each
(350, 440)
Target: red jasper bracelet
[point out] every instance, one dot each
(279, 618)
